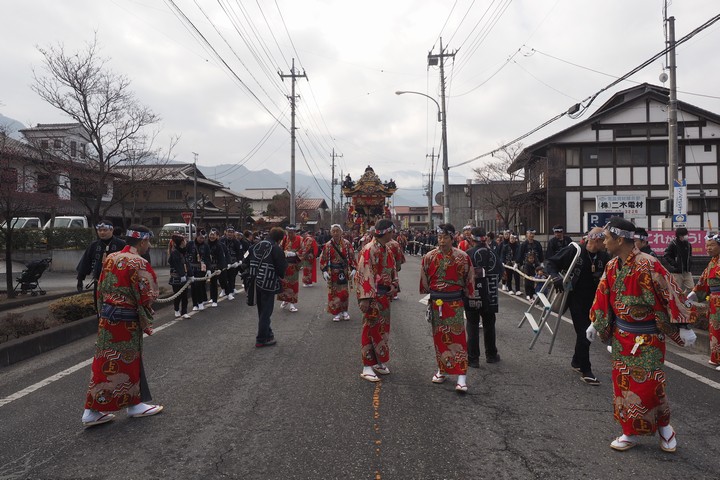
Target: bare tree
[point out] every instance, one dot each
(118, 129)
(19, 193)
(501, 187)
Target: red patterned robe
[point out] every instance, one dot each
(448, 274)
(330, 261)
(291, 282)
(310, 247)
(709, 286)
(639, 290)
(127, 281)
(375, 274)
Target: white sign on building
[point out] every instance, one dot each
(630, 205)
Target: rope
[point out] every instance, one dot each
(522, 274)
(206, 278)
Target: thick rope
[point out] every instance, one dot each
(190, 280)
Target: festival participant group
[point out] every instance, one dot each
(618, 292)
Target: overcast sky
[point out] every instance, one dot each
(513, 70)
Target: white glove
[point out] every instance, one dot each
(290, 254)
(688, 336)
(692, 297)
(326, 276)
(352, 273)
(183, 279)
(591, 333)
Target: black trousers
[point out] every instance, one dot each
(472, 330)
(230, 276)
(181, 299)
(513, 277)
(198, 293)
(265, 303)
(580, 313)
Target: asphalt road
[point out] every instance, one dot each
(299, 410)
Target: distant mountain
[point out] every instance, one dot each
(238, 178)
(11, 127)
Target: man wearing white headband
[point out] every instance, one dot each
(95, 254)
(638, 305)
(127, 288)
(293, 248)
(446, 273)
(709, 287)
(376, 285)
(337, 262)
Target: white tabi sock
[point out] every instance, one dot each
(462, 380)
(368, 371)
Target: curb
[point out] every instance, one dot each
(29, 346)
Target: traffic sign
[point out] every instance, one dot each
(187, 216)
(679, 220)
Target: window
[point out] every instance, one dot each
(44, 144)
(623, 155)
(45, 184)
(658, 154)
(707, 148)
(57, 143)
(653, 206)
(589, 157)
(572, 157)
(605, 157)
(73, 148)
(174, 194)
(82, 150)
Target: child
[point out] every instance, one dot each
(529, 270)
(539, 275)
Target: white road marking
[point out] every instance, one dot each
(64, 373)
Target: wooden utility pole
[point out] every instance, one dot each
(292, 75)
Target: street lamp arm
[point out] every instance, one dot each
(401, 92)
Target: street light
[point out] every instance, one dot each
(446, 180)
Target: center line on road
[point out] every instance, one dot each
(376, 425)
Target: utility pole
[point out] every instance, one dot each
(433, 60)
(332, 187)
(292, 75)
(192, 235)
(673, 161)
(431, 183)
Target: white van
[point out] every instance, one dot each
(23, 222)
(68, 222)
(167, 231)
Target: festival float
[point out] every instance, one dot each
(369, 200)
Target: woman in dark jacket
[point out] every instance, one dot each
(179, 270)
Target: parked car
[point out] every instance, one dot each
(68, 222)
(167, 231)
(23, 222)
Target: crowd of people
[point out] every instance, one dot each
(616, 289)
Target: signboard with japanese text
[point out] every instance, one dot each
(680, 197)
(630, 205)
(659, 239)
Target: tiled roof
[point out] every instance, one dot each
(262, 193)
(310, 204)
(408, 210)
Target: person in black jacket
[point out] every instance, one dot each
(488, 272)
(265, 266)
(678, 255)
(234, 250)
(218, 261)
(586, 276)
(507, 255)
(198, 257)
(558, 242)
(529, 245)
(641, 241)
(179, 271)
(95, 254)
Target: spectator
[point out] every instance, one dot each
(678, 255)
